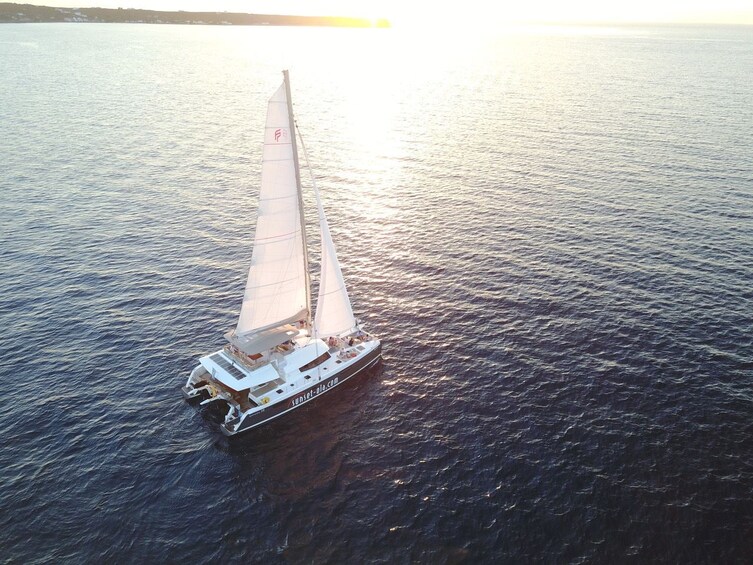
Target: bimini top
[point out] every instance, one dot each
(262, 341)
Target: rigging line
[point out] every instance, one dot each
(306, 156)
(319, 210)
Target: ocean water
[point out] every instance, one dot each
(551, 229)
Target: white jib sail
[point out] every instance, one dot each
(334, 314)
(276, 288)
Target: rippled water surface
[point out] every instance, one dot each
(551, 230)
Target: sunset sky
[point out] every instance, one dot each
(426, 11)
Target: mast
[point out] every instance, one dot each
(300, 198)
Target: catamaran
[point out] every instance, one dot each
(279, 357)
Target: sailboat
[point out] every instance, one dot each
(281, 355)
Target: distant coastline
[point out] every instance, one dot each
(28, 13)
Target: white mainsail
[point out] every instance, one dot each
(277, 288)
(334, 314)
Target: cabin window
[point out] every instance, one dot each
(318, 361)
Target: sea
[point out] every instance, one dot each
(549, 228)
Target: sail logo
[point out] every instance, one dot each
(281, 134)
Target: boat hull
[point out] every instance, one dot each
(316, 390)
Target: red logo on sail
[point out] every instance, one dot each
(281, 134)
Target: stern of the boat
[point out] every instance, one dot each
(230, 427)
(197, 385)
(202, 388)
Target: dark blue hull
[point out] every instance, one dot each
(314, 391)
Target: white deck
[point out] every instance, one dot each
(281, 365)
(251, 378)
